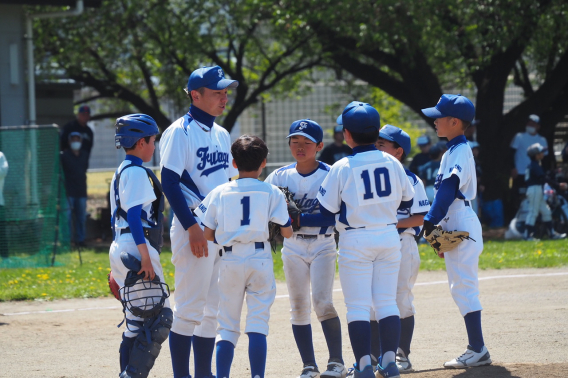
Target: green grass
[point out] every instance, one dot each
(73, 280)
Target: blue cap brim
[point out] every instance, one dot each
(304, 135)
(222, 84)
(385, 136)
(433, 113)
(340, 120)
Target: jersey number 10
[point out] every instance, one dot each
(382, 183)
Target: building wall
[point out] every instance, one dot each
(13, 87)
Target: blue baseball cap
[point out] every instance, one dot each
(396, 134)
(449, 105)
(210, 78)
(360, 117)
(307, 128)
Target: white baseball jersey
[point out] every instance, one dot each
(201, 158)
(420, 205)
(305, 189)
(239, 211)
(458, 160)
(521, 143)
(134, 189)
(366, 190)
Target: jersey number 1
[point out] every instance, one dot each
(245, 201)
(383, 187)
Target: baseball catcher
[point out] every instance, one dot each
(294, 213)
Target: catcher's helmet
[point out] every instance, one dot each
(132, 127)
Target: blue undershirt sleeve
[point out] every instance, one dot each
(134, 219)
(317, 220)
(325, 212)
(448, 192)
(287, 223)
(406, 204)
(172, 190)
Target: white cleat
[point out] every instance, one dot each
(334, 370)
(310, 371)
(470, 359)
(403, 363)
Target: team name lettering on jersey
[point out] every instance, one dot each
(322, 191)
(202, 208)
(423, 203)
(455, 167)
(217, 160)
(307, 205)
(438, 181)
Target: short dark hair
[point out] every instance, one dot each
(369, 137)
(465, 124)
(249, 151)
(146, 138)
(188, 93)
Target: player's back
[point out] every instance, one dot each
(371, 186)
(242, 210)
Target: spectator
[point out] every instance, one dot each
(422, 157)
(564, 154)
(3, 239)
(80, 126)
(429, 171)
(338, 150)
(521, 161)
(75, 162)
(471, 132)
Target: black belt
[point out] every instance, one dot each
(257, 245)
(308, 236)
(125, 231)
(466, 203)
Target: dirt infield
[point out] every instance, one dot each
(525, 316)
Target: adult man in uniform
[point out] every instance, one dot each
(195, 159)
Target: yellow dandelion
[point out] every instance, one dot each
(539, 252)
(43, 294)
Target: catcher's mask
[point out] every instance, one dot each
(143, 298)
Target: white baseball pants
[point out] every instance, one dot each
(537, 204)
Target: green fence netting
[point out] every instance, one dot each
(33, 222)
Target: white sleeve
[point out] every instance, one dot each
(457, 164)
(207, 210)
(407, 187)
(272, 179)
(135, 188)
(329, 194)
(174, 150)
(421, 204)
(279, 208)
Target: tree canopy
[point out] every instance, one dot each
(142, 51)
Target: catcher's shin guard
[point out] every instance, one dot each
(147, 345)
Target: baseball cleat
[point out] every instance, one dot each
(557, 236)
(365, 373)
(470, 358)
(309, 371)
(403, 363)
(391, 371)
(334, 370)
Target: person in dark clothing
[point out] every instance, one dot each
(535, 178)
(79, 125)
(423, 156)
(75, 162)
(338, 150)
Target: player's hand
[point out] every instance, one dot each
(563, 186)
(514, 173)
(428, 227)
(147, 269)
(197, 241)
(441, 255)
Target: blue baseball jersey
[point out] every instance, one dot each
(239, 211)
(199, 155)
(365, 189)
(305, 189)
(420, 205)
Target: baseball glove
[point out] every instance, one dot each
(294, 213)
(444, 241)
